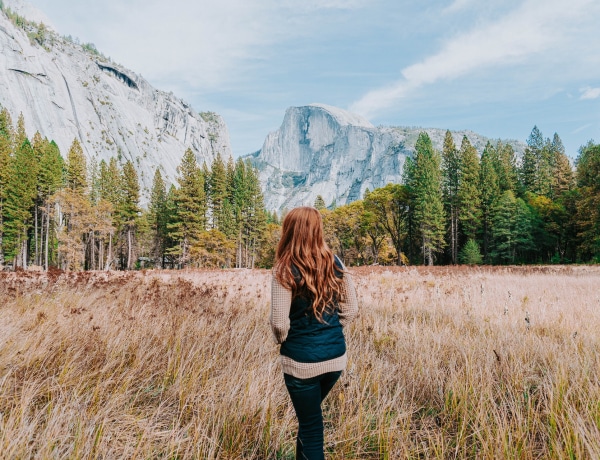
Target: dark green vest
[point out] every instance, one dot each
(311, 341)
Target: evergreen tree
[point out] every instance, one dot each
(469, 192)
(49, 181)
(171, 223)
(129, 208)
(512, 229)
(20, 196)
(505, 164)
(562, 179)
(190, 206)
(319, 203)
(450, 186)
(538, 164)
(217, 181)
(110, 191)
(490, 192)
(470, 253)
(588, 203)
(158, 217)
(427, 191)
(76, 174)
(6, 149)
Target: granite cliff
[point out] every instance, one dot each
(67, 91)
(327, 151)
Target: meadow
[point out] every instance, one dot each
(444, 362)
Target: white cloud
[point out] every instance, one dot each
(531, 29)
(457, 5)
(582, 128)
(590, 93)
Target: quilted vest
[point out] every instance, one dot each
(309, 340)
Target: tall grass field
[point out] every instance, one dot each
(444, 363)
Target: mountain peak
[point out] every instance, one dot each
(28, 11)
(343, 117)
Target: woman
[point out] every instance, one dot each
(312, 299)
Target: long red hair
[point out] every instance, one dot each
(302, 246)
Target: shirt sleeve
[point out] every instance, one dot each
(281, 301)
(348, 308)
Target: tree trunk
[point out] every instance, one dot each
(47, 236)
(130, 248)
(109, 255)
(35, 236)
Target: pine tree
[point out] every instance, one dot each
(562, 179)
(171, 221)
(470, 254)
(505, 163)
(6, 149)
(158, 217)
(190, 205)
(129, 208)
(427, 191)
(512, 229)
(217, 181)
(490, 192)
(110, 191)
(531, 161)
(588, 203)
(76, 174)
(49, 181)
(469, 193)
(319, 203)
(20, 196)
(450, 186)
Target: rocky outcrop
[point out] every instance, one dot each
(324, 150)
(66, 91)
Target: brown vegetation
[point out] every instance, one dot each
(445, 362)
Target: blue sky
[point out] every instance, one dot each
(496, 67)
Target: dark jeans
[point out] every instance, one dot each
(307, 395)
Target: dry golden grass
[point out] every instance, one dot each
(182, 365)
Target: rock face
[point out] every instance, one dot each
(324, 150)
(66, 91)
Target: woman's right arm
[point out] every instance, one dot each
(281, 301)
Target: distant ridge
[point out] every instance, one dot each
(328, 151)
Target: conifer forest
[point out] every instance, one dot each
(454, 207)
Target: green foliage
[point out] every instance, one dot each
(190, 208)
(490, 192)
(20, 195)
(157, 217)
(387, 212)
(451, 167)
(76, 174)
(215, 216)
(588, 205)
(470, 253)
(425, 186)
(512, 231)
(319, 203)
(469, 193)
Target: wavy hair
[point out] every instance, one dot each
(303, 250)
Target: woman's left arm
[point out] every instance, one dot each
(348, 308)
(281, 301)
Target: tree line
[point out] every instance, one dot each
(78, 216)
(456, 206)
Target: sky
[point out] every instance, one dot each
(498, 67)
